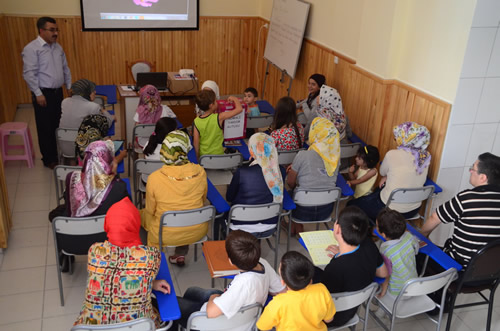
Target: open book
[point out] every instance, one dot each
(316, 243)
(217, 260)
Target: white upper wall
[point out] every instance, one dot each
(420, 42)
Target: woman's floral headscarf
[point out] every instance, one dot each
(263, 150)
(149, 109)
(414, 138)
(325, 141)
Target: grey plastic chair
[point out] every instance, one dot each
(347, 300)
(256, 213)
(309, 198)
(143, 167)
(88, 229)
(287, 157)
(60, 173)
(139, 131)
(413, 299)
(257, 122)
(65, 139)
(246, 315)
(412, 195)
(347, 151)
(221, 162)
(141, 324)
(183, 218)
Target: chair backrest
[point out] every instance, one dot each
(254, 213)
(426, 285)
(133, 68)
(60, 173)
(316, 197)
(83, 227)
(410, 195)
(66, 142)
(349, 150)
(182, 218)
(100, 101)
(263, 121)
(301, 117)
(141, 324)
(246, 315)
(143, 131)
(287, 157)
(484, 265)
(219, 162)
(347, 300)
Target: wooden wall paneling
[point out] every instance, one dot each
(225, 50)
(8, 97)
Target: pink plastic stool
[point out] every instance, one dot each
(20, 128)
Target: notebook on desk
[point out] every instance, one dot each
(217, 259)
(157, 79)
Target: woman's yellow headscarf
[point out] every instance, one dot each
(324, 139)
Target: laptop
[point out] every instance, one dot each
(157, 79)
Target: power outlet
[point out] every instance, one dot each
(336, 59)
(266, 26)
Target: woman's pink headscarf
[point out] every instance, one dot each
(149, 109)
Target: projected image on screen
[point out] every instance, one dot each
(145, 3)
(139, 14)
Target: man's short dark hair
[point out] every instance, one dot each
(296, 270)
(251, 90)
(40, 24)
(243, 249)
(205, 98)
(489, 164)
(391, 223)
(354, 225)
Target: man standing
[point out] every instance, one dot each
(475, 213)
(45, 70)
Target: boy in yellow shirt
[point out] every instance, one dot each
(305, 306)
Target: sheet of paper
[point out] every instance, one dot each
(316, 243)
(234, 127)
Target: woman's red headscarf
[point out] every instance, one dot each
(123, 224)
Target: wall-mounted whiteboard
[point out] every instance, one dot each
(286, 32)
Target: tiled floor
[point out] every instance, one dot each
(29, 295)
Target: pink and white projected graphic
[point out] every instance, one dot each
(145, 3)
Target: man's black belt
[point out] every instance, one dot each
(48, 89)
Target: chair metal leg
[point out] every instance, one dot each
(450, 312)
(289, 233)
(490, 308)
(276, 246)
(59, 277)
(195, 252)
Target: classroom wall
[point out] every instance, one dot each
(474, 126)
(332, 23)
(72, 7)
(419, 42)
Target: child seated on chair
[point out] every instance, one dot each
(257, 279)
(305, 306)
(364, 174)
(400, 249)
(250, 99)
(355, 261)
(208, 136)
(287, 132)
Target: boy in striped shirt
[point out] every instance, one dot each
(399, 248)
